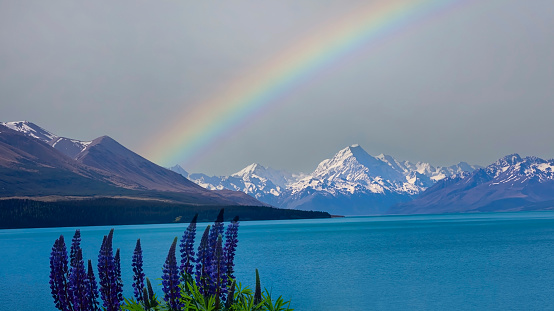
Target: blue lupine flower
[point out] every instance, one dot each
(138, 272)
(118, 281)
(170, 279)
(187, 248)
(92, 289)
(258, 291)
(75, 245)
(204, 265)
(215, 231)
(231, 241)
(78, 283)
(58, 275)
(219, 272)
(107, 275)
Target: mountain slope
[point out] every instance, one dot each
(511, 183)
(32, 166)
(108, 155)
(28, 166)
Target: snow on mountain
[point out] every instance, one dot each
(355, 183)
(351, 180)
(511, 183)
(30, 129)
(434, 173)
(514, 169)
(353, 169)
(69, 147)
(263, 183)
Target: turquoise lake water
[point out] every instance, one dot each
(502, 261)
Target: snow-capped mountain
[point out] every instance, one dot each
(351, 182)
(511, 183)
(264, 184)
(30, 129)
(67, 146)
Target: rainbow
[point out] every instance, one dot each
(245, 99)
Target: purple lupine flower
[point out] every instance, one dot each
(107, 274)
(215, 231)
(258, 291)
(138, 273)
(170, 279)
(231, 241)
(204, 265)
(92, 302)
(219, 273)
(118, 281)
(75, 246)
(187, 248)
(58, 275)
(78, 282)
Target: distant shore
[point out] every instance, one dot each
(28, 213)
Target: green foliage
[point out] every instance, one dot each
(193, 300)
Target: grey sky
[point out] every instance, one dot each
(473, 84)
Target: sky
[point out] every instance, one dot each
(450, 81)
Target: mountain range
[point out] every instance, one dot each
(35, 163)
(512, 183)
(353, 182)
(350, 183)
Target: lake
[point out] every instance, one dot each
(496, 261)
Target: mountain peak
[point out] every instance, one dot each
(180, 170)
(249, 170)
(106, 141)
(512, 159)
(30, 129)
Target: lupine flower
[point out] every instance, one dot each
(138, 274)
(77, 275)
(118, 281)
(215, 231)
(170, 279)
(92, 289)
(219, 275)
(78, 283)
(203, 265)
(107, 275)
(58, 275)
(75, 245)
(187, 248)
(258, 291)
(231, 241)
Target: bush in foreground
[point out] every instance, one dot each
(201, 280)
